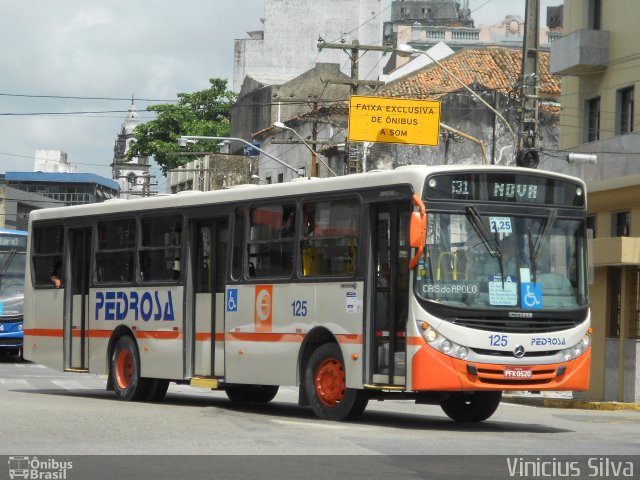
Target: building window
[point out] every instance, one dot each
(281, 178)
(591, 224)
(614, 290)
(595, 15)
(620, 222)
(624, 111)
(131, 180)
(592, 113)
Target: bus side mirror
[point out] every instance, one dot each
(415, 230)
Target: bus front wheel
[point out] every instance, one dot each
(328, 395)
(125, 370)
(472, 406)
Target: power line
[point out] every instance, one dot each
(71, 97)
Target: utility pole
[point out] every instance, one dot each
(527, 149)
(353, 52)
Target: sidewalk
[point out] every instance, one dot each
(563, 400)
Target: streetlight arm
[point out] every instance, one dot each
(404, 49)
(199, 137)
(315, 154)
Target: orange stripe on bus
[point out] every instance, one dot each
(349, 338)
(43, 332)
(204, 337)
(58, 332)
(417, 341)
(264, 337)
(159, 335)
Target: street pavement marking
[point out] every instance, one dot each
(316, 424)
(73, 385)
(11, 383)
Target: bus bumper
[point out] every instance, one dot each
(435, 371)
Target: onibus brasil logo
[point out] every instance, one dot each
(38, 469)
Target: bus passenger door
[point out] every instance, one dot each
(76, 278)
(209, 274)
(390, 277)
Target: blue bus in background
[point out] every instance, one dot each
(13, 247)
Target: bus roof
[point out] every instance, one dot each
(413, 175)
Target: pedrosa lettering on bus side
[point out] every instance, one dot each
(142, 305)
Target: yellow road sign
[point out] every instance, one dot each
(394, 120)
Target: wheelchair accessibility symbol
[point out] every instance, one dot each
(531, 294)
(232, 300)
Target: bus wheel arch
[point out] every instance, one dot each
(317, 337)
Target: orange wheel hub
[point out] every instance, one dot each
(124, 368)
(329, 382)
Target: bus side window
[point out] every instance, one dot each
(328, 245)
(238, 244)
(272, 240)
(47, 251)
(115, 253)
(161, 248)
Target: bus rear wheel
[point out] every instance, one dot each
(251, 393)
(128, 385)
(472, 406)
(326, 388)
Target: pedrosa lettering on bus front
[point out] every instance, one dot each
(141, 305)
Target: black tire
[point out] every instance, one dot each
(472, 406)
(128, 385)
(326, 387)
(157, 390)
(251, 393)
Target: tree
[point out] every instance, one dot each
(205, 112)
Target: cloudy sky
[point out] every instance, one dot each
(112, 49)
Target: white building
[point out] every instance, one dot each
(132, 175)
(288, 45)
(52, 161)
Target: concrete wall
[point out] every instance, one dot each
(461, 111)
(631, 386)
(257, 109)
(291, 30)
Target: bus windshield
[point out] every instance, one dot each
(12, 266)
(507, 261)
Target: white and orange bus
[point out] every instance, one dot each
(443, 285)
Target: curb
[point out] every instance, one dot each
(578, 404)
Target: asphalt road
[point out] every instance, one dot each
(51, 413)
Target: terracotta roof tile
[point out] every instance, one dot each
(493, 68)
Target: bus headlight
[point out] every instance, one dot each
(441, 343)
(578, 349)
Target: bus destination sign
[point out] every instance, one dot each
(505, 187)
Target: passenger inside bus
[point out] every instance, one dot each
(57, 275)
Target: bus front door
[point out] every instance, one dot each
(390, 292)
(76, 285)
(210, 259)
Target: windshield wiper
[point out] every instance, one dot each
(492, 244)
(543, 236)
(4, 268)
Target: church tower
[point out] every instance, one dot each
(132, 175)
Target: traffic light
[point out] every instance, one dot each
(528, 158)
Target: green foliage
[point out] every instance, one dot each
(205, 113)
